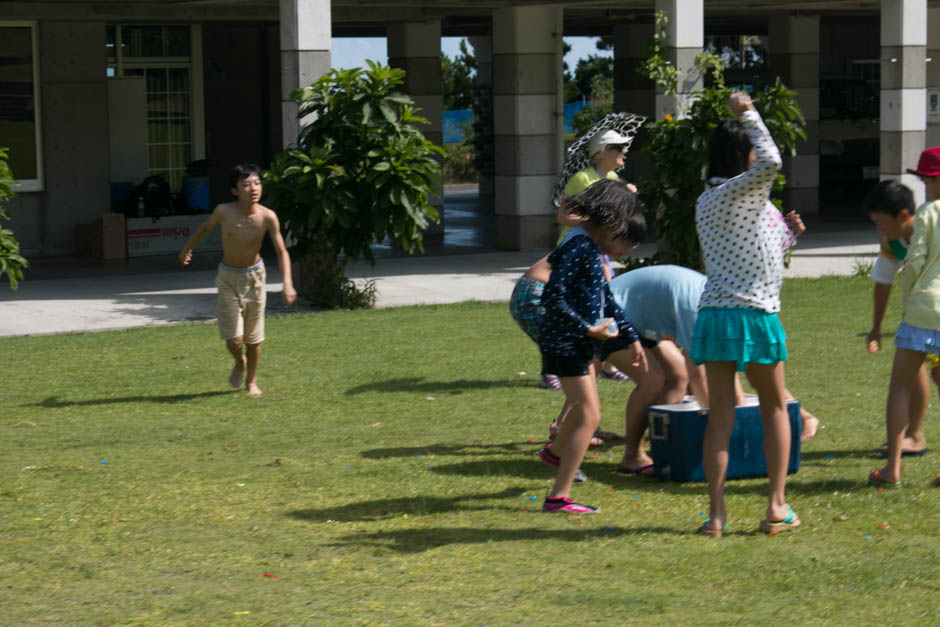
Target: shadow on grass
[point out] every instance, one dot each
(419, 540)
(54, 402)
(448, 449)
(755, 485)
(530, 467)
(605, 474)
(418, 505)
(809, 456)
(420, 385)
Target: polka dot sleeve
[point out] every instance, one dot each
(743, 236)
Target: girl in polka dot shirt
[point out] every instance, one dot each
(743, 239)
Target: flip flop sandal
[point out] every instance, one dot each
(596, 441)
(607, 436)
(712, 533)
(773, 527)
(874, 479)
(640, 470)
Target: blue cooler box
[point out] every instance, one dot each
(677, 431)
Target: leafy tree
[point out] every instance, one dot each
(11, 262)
(604, 43)
(678, 145)
(587, 70)
(458, 78)
(361, 172)
(602, 103)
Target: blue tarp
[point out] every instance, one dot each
(570, 109)
(454, 122)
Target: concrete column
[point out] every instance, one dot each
(483, 52)
(632, 91)
(903, 93)
(416, 48)
(527, 123)
(933, 75)
(306, 32)
(794, 57)
(686, 28)
(74, 134)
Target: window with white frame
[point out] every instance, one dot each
(19, 103)
(167, 57)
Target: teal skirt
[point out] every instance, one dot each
(739, 334)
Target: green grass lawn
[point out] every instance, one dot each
(388, 476)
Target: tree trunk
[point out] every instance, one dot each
(321, 279)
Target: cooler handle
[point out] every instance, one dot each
(659, 426)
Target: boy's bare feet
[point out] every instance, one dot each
(235, 379)
(251, 389)
(810, 425)
(641, 465)
(910, 447)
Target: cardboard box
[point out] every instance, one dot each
(113, 235)
(104, 238)
(677, 431)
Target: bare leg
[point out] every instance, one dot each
(234, 346)
(768, 380)
(577, 430)
(252, 352)
(904, 381)
(914, 439)
(810, 422)
(559, 422)
(675, 373)
(648, 391)
(697, 383)
(721, 375)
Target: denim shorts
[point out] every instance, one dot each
(917, 339)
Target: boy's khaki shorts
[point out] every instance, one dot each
(242, 298)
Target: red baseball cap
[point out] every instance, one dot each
(929, 163)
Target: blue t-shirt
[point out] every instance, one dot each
(660, 300)
(575, 298)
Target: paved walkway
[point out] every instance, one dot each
(157, 291)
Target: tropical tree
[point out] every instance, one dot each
(11, 262)
(602, 103)
(361, 171)
(678, 145)
(458, 78)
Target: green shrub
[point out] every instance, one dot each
(11, 262)
(361, 172)
(460, 158)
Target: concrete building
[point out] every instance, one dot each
(96, 94)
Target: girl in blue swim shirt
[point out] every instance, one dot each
(582, 323)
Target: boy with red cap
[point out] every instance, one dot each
(918, 335)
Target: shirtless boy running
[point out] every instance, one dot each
(241, 278)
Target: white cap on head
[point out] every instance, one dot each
(605, 138)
